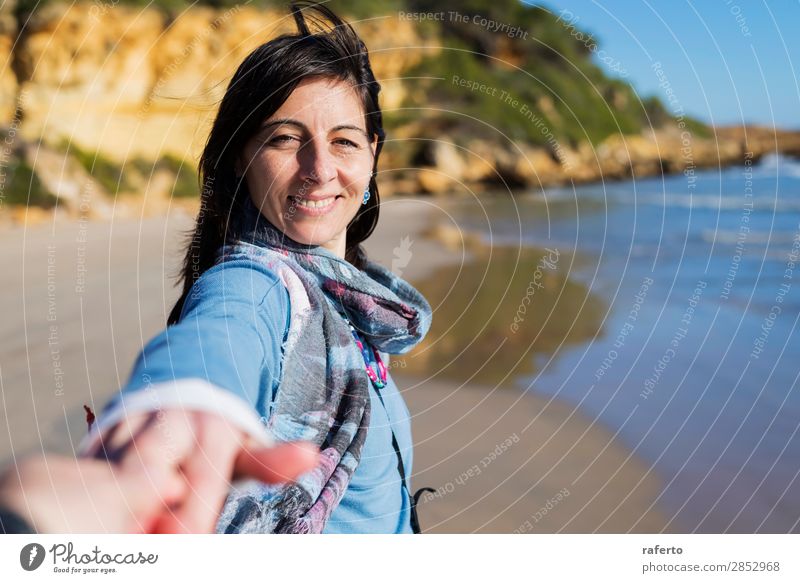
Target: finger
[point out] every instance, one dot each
(149, 493)
(166, 439)
(153, 485)
(111, 443)
(281, 463)
(207, 472)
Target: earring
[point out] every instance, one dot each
(366, 196)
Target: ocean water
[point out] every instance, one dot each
(693, 355)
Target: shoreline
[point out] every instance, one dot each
(456, 426)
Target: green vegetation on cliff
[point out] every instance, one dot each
(523, 72)
(133, 176)
(21, 187)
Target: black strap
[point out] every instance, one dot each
(401, 468)
(414, 516)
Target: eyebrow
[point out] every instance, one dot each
(302, 126)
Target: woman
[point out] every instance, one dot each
(283, 321)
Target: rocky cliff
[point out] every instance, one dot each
(103, 100)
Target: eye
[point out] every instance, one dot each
(282, 139)
(345, 142)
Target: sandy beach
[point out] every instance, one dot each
(81, 298)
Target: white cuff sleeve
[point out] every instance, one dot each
(192, 394)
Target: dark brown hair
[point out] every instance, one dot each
(261, 84)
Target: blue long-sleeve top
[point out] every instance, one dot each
(224, 355)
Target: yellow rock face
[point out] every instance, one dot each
(127, 81)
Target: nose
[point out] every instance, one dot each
(317, 164)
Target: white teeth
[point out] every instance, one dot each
(314, 204)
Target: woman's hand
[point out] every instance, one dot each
(201, 453)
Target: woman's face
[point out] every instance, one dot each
(309, 164)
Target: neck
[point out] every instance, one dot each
(337, 245)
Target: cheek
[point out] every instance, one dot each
(277, 171)
(358, 175)
(270, 177)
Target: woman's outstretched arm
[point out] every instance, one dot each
(224, 355)
(200, 389)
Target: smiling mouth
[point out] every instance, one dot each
(318, 204)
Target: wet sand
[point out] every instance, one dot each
(81, 299)
(503, 461)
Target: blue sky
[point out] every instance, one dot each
(727, 61)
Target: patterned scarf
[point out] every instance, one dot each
(323, 395)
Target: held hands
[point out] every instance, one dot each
(204, 453)
(166, 472)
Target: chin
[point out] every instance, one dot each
(311, 236)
